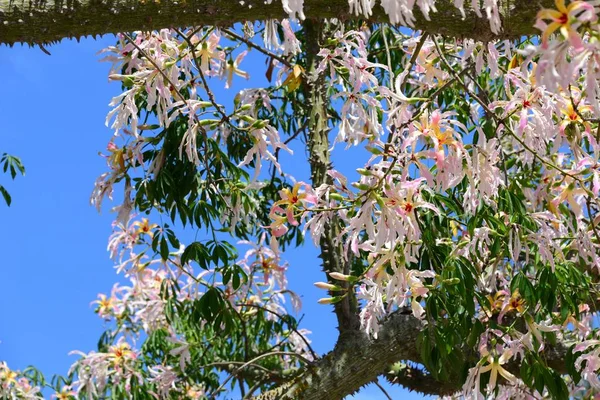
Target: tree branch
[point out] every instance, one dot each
(332, 251)
(358, 360)
(418, 380)
(47, 21)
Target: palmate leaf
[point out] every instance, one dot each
(13, 165)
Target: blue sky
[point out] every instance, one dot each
(53, 242)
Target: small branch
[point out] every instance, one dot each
(416, 379)
(388, 56)
(251, 362)
(282, 317)
(385, 393)
(211, 96)
(257, 47)
(413, 58)
(226, 364)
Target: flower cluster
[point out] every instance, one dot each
(13, 385)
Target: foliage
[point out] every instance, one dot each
(13, 165)
(476, 212)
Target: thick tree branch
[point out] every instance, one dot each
(355, 362)
(416, 379)
(358, 360)
(46, 21)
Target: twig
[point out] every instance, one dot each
(589, 210)
(228, 363)
(254, 46)
(388, 55)
(385, 393)
(210, 94)
(312, 352)
(413, 58)
(251, 362)
(253, 389)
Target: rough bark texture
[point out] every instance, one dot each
(356, 361)
(46, 21)
(318, 148)
(419, 380)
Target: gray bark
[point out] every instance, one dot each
(47, 21)
(358, 360)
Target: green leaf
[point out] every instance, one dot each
(570, 364)
(551, 383)
(236, 281)
(164, 249)
(6, 196)
(197, 252)
(527, 373)
(526, 289)
(173, 239)
(227, 276)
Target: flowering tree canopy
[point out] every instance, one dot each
(462, 259)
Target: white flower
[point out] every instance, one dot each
(183, 351)
(295, 8)
(164, 378)
(361, 7)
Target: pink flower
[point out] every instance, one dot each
(562, 19)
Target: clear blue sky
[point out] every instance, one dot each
(53, 243)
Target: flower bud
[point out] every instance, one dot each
(361, 186)
(259, 124)
(247, 118)
(380, 201)
(329, 300)
(374, 150)
(206, 122)
(326, 286)
(341, 277)
(451, 281)
(336, 196)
